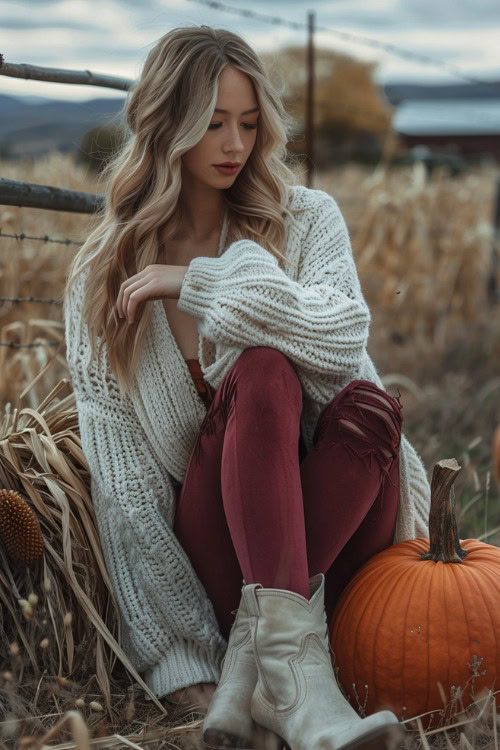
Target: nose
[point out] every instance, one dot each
(234, 144)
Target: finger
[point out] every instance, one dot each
(131, 300)
(139, 293)
(119, 302)
(128, 287)
(124, 286)
(120, 299)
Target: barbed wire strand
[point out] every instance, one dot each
(44, 300)
(14, 345)
(357, 38)
(23, 236)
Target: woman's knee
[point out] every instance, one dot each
(265, 369)
(366, 411)
(368, 397)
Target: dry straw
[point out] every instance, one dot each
(423, 244)
(42, 459)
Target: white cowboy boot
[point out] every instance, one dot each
(297, 695)
(228, 722)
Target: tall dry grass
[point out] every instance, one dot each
(422, 247)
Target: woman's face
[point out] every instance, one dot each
(231, 134)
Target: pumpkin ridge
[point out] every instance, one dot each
(372, 677)
(358, 629)
(466, 617)
(456, 575)
(419, 578)
(347, 593)
(478, 583)
(488, 648)
(429, 589)
(430, 576)
(484, 554)
(491, 570)
(447, 608)
(405, 568)
(362, 585)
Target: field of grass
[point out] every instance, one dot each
(423, 246)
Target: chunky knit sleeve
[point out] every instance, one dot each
(169, 628)
(320, 322)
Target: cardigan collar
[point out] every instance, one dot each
(164, 395)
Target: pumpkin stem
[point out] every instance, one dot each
(444, 543)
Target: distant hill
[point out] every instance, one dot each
(31, 126)
(34, 125)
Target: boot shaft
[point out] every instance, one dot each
(289, 637)
(283, 616)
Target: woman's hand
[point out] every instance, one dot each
(154, 282)
(197, 696)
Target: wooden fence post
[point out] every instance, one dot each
(310, 103)
(493, 291)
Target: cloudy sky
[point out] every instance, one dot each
(115, 36)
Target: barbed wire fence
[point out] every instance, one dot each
(43, 300)
(25, 194)
(346, 200)
(361, 39)
(21, 236)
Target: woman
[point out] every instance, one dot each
(244, 456)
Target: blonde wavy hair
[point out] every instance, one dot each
(168, 111)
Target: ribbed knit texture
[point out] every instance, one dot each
(138, 447)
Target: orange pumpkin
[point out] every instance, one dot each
(419, 613)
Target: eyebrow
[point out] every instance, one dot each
(247, 112)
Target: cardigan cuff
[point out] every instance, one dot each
(199, 287)
(186, 663)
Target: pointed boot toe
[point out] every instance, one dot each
(380, 731)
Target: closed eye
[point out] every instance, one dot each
(218, 124)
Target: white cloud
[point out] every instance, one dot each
(115, 36)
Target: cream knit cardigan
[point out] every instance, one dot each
(138, 448)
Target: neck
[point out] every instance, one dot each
(202, 211)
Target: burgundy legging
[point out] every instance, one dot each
(255, 508)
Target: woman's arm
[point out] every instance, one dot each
(321, 321)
